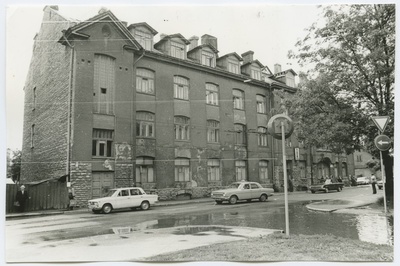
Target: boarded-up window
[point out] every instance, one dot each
(104, 84)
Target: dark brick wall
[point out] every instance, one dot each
(49, 74)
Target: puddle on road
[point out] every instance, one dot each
(200, 231)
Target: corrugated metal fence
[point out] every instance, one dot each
(43, 196)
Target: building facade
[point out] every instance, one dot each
(108, 106)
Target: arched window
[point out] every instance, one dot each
(181, 88)
(261, 104)
(182, 128)
(145, 124)
(212, 94)
(145, 80)
(238, 99)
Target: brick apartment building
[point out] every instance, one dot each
(108, 106)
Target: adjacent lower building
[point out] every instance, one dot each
(109, 107)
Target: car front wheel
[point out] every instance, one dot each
(233, 200)
(145, 205)
(263, 197)
(107, 208)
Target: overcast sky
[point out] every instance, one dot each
(268, 30)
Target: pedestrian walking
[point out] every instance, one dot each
(373, 184)
(21, 198)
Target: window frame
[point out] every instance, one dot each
(240, 134)
(144, 163)
(261, 103)
(102, 143)
(212, 94)
(238, 100)
(104, 78)
(213, 170)
(240, 170)
(147, 125)
(178, 50)
(145, 83)
(263, 171)
(208, 58)
(213, 129)
(182, 127)
(262, 136)
(181, 89)
(182, 165)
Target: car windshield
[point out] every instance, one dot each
(234, 185)
(110, 193)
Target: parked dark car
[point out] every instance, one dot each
(326, 187)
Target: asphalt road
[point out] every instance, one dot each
(33, 239)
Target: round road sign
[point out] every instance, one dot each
(274, 126)
(383, 142)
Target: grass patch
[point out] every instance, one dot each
(278, 247)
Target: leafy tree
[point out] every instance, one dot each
(15, 168)
(352, 78)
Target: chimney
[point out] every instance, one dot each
(162, 36)
(103, 10)
(211, 40)
(194, 42)
(277, 68)
(247, 57)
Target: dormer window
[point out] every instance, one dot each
(255, 73)
(207, 58)
(145, 39)
(178, 50)
(233, 66)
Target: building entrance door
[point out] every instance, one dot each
(102, 182)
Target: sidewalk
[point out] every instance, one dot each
(324, 206)
(353, 202)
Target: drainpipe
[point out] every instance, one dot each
(70, 92)
(133, 109)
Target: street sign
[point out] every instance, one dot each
(381, 122)
(383, 142)
(275, 123)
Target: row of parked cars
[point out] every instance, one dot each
(136, 197)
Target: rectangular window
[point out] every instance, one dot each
(145, 39)
(211, 94)
(32, 135)
(262, 137)
(359, 158)
(145, 124)
(207, 58)
(213, 170)
(261, 104)
(255, 73)
(263, 172)
(240, 169)
(104, 84)
(181, 88)
(238, 99)
(182, 128)
(233, 66)
(144, 81)
(212, 131)
(102, 142)
(240, 134)
(34, 99)
(144, 170)
(182, 170)
(178, 50)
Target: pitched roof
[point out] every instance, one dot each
(234, 54)
(202, 46)
(254, 61)
(176, 35)
(74, 30)
(144, 24)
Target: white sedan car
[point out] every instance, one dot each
(119, 198)
(242, 191)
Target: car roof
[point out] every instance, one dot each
(119, 188)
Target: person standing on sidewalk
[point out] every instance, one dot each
(373, 183)
(22, 196)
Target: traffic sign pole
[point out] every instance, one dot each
(285, 181)
(384, 183)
